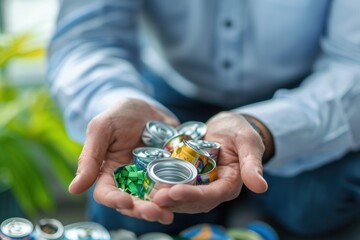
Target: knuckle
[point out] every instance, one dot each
(225, 114)
(97, 124)
(249, 135)
(241, 136)
(96, 196)
(99, 196)
(81, 158)
(85, 159)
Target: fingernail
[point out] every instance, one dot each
(260, 174)
(168, 221)
(262, 177)
(162, 222)
(146, 218)
(73, 181)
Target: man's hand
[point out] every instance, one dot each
(240, 161)
(110, 139)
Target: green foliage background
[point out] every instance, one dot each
(35, 150)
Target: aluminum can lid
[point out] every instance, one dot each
(172, 171)
(150, 152)
(86, 230)
(194, 129)
(16, 228)
(49, 229)
(156, 133)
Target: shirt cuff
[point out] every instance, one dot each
(286, 125)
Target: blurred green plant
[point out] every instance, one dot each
(34, 147)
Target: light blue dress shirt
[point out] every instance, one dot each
(295, 65)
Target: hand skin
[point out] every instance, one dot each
(110, 139)
(112, 135)
(240, 161)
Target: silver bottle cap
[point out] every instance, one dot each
(194, 129)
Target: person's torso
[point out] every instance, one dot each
(235, 52)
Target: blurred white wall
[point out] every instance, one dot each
(35, 16)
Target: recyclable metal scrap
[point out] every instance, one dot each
(16, 228)
(86, 230)
(209, 173)
(51, 229)
(142, 156)
(20, 228)
(166, 172)
(211, 147)
(156, 133)
(192, 154)
(196, 130)
(176, 152)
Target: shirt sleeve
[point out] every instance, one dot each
(318, 122)
(93, 60)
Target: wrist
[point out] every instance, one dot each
(265, 135)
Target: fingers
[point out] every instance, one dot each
(252, 175)
(149, 212)
(108, 194)
(183, 198)
(152, 212)
(250, 151)
(200, 198)
(92, 155)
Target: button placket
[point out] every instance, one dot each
(229, 30)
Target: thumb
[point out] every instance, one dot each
(252, 175)
(92, 155)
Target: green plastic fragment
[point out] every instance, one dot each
(124, 172)
(134, 168)
(133, 176)
(133, 188)
(129, 168)
(129, 179)
(140, 175)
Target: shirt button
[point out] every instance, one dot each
(226, 64)
(228, 23)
